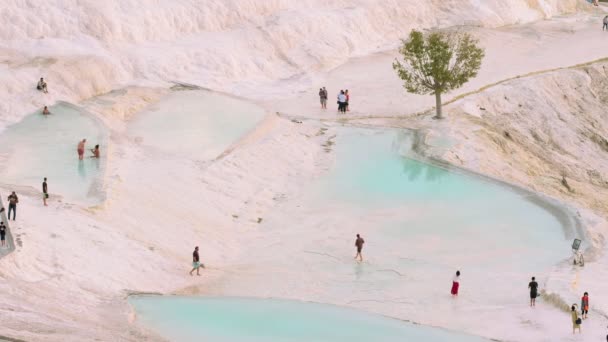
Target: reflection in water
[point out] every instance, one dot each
(81, 171)
(414, 170)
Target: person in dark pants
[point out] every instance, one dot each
(45, 192)
(2, 234)
(12, 205)
(533, 286)
(359, 243)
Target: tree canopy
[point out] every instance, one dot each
(438, 62)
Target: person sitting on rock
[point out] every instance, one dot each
(42, 85)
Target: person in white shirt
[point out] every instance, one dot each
(342, 102)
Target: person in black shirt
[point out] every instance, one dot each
(533, 286)
(359, 243)
(2, 234)
(196, 263)
(45, 191)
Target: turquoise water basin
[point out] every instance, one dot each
(184, 319)
(45, 146)
(195, 123)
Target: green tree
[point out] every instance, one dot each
(438, 63)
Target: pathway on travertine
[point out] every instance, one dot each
(511, 51)
(9, 237)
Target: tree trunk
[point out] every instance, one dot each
(438, 105)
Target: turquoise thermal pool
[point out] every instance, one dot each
(421, 223)
(195, 123)
(185, 319)
(45, 146)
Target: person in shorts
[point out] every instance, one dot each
(196, 262)
(359, 244)
(323, 97)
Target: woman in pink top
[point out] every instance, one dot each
(347, 99)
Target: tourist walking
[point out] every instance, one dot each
(12, 205)
(2, 234)
(585, 305)
(196, 263)
(80, 149)
(576, 321)
(45, 192)
(533, 286)
(455, 284)
(323, 97)
(42, 85)
(342, 102)
(605, 21)
(359, 243)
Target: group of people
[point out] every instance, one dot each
(576, 319)
(343, 100)
(81, 147)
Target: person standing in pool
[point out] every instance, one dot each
(196, 263)
(12, 205)
(533, 286)
(359, 243)
(95, 152)
(46, 111)
(2, 234)
(80, 149)
(45, 192)
(455, 284)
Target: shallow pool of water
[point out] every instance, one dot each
(45, 146)
(421, 223)
(184, 319)
(195, 123)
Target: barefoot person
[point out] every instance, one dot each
(533, 286)
(42, 85)
(456, 284)
(46, 111)
(359, 243)
(45, 192)
(12, 205)
(585, 305)
(95, 152)
(80, 149)
(2, 234)
(196, 263)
